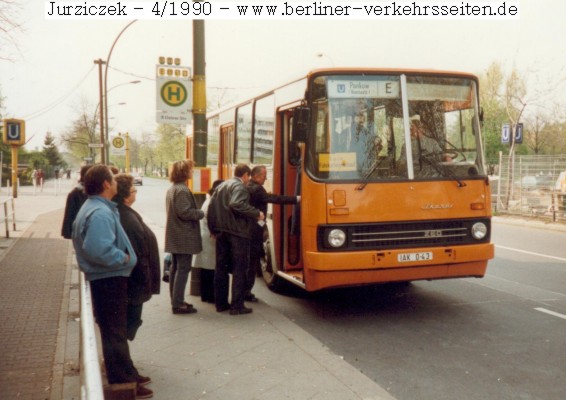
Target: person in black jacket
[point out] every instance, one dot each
(75, 200)
(229, 216)
(146, 275)
(259, 199)
(144, 281)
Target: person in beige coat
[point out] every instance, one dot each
(182, 233)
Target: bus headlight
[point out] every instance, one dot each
(336, 237)
(479, 230)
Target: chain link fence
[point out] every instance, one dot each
(533, 186)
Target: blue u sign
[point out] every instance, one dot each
(519, 133)
(14, 131)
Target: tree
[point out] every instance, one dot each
(51, 152)
(9, 27)
(81, 133)
(170, 144)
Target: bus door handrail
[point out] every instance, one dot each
(91, 377)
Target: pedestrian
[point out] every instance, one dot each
(259, 199)
(182, 233)
(75, 200)
(106, 257)
(145, 278)
(206, 259)
(39, 178)
(33, 177)
(230, 215)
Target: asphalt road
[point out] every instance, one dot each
(500, 337)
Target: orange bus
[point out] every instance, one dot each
(389, 167)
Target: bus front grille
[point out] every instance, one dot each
(402, 235)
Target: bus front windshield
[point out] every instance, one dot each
(364, 130)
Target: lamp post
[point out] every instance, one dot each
(320, 55)
(106, 76)
(104, 113)
(100, 102)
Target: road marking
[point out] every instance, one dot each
(531, 253)
(544, 310)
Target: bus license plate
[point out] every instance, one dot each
(411, 257)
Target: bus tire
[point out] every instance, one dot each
(268, 271)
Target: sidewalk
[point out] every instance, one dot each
(207, 355)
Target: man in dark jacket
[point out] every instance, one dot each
(232, 217)
(259, 199)
(75, 200)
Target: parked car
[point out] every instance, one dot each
(138, 178)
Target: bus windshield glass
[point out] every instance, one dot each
(371, 128)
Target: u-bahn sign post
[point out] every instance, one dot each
(14, 135)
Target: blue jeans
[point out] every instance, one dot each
(178, 278)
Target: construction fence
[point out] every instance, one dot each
(533, 186)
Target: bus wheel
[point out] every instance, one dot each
(268, 271)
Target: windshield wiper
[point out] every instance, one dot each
(366, 177)
(444, 172)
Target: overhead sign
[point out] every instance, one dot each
(173, 95)
(118, 146)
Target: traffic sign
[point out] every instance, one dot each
(118, 146)
(173, 95)
(14, 132)
(95, 145)
(519, 133)
(505, 133)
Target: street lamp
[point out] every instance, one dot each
(319, 55)
(104, 114)
(106, 77)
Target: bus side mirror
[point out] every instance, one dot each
(301, 123)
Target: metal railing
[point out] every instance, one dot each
(530, 186)
(8, 214)
(91, 377)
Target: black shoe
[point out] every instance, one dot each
(184, 310)
(165, 278)
(222, 308)
(143, 392)
(251, 298)
(240, 311)
(143, 380)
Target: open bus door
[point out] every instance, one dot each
(226, 145)
(282, 242)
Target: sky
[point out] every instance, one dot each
(52, 75)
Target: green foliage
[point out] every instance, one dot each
(51, 152)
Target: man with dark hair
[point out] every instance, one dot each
(106, 256)
(75, 200)
(259, 199)
(233, 215)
